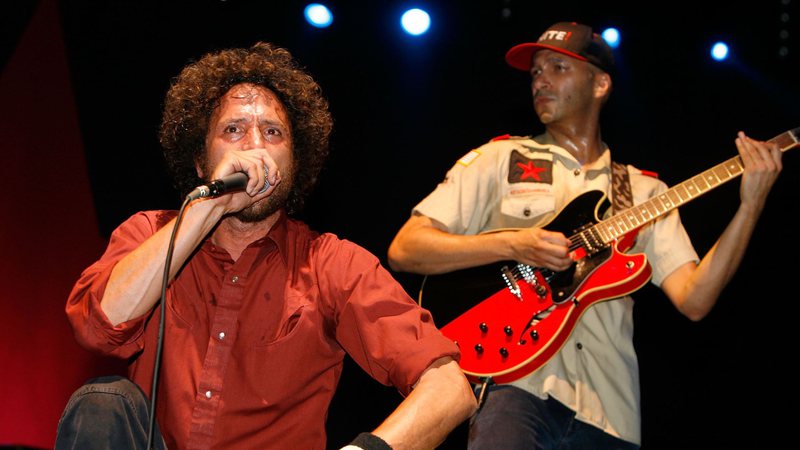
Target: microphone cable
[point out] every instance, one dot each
(160, 342)
(231, 183)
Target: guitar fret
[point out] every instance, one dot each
(735, 166)
(646, 210)
(683, 192)
(692, 188)
(599, 231)
(633, 219)
(721, 172)
(659, 207)
(612, 229)
(674, 197)
(701, 183)
(711, 178)
(624, 224)
(625, 219)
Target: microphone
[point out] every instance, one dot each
(228, 184)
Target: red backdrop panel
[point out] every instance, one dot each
(48, 234)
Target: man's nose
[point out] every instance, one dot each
(253, 139)
(539, 82)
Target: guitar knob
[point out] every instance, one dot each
(479, 348)
(541, 291)
(534, 335)
(508, 331)
(504, 352)
(484, 327)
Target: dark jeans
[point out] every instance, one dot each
(107, 413)
(511, 418)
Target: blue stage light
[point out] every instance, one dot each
(318, 15)
(611, 36)
(415, 21)
(719, 51)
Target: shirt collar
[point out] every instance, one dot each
(276, 237)
(602, 165)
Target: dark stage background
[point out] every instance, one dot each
(80, 94)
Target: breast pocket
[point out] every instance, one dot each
(295, 360)
(526, 207)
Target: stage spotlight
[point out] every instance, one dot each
(415, 21)
(719, 51)
(611, 36)
(318, 15)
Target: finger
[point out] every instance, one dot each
(746, 150)
(266, 184)
(270, 168)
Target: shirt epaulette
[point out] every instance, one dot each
(504, 137)
(649, 173)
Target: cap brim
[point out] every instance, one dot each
(520, 56)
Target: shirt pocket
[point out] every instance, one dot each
(289, 327)
(298, 361)
(528, 207)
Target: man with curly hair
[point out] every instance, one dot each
(260, 310)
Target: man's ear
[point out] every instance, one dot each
(199, 170)
(602, 84)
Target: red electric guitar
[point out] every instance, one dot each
(509, 318)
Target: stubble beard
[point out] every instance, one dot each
(264, 208)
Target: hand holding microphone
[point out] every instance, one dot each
(228, 184)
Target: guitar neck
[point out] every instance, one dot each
(632, 218)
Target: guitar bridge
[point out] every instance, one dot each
(511, 282)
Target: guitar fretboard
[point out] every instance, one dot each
(607, 231)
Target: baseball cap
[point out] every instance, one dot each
(569, 38)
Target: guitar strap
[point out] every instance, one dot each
(621, 194)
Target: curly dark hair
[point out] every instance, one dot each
(197, 91)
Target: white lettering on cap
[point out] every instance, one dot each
(554, 35)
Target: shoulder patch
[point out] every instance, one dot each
(649, 173)
(469, 157)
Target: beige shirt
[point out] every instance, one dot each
(520, 182)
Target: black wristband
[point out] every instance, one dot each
(369, 441)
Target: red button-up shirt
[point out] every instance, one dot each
(253, 348)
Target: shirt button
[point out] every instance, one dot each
(234, 279)
(577, 172)
(526, 212)
(579, 345)
(221, 335)
(208, 394)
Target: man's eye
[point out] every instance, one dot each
(231, 129)
(273, 135)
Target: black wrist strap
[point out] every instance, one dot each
(369, 441)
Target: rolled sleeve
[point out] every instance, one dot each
(89, 322)
(389, 335)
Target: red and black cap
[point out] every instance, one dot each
(569, 38)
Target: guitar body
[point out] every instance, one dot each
(508, 321)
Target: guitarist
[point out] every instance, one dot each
(586, 395)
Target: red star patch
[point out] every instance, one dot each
(529, 171)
